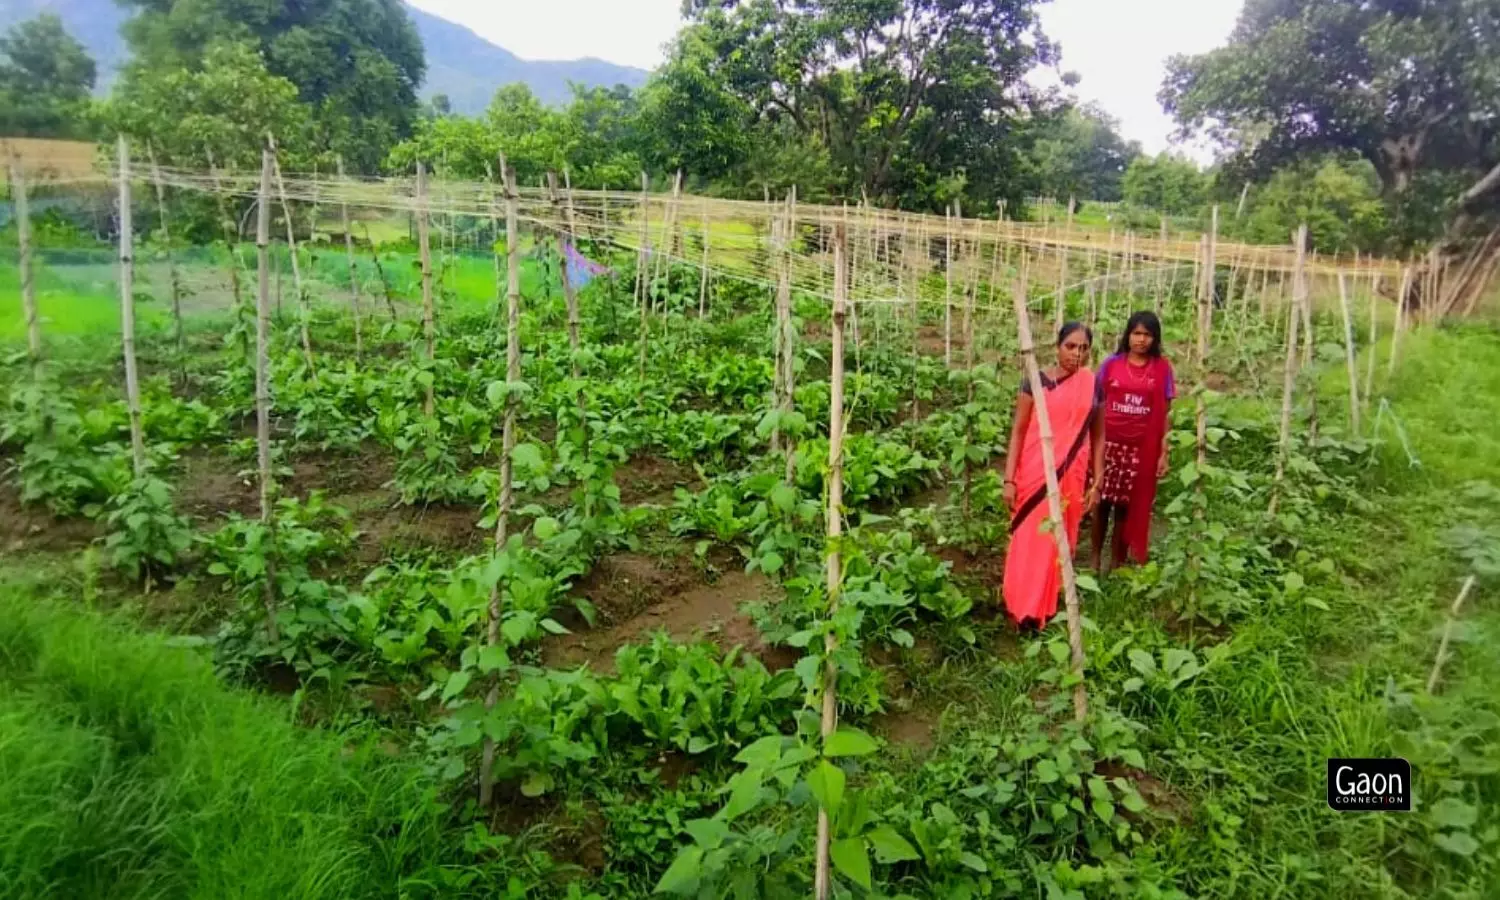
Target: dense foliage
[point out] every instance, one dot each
(355, 64)
(45, 80)
(1411, 87)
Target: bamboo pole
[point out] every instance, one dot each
(1161, 266)
(789, 343)
(28, 285)
(424, 247)
(1210, 279)
(1062, 274)
(1054, 495)
(1442, 651)
(508, 446)
(703, 277)
(1400, 327)
(263, 381)
(822, 880)
(643, 259)
(127, 312)
(359, 343)
(172, 277)
(1289, 373)
(1349, 355)
(303, 313)
(780, 261)
(948, 288)
(1374, 336)
(570, 295)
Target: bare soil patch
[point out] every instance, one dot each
(651, 479)
(214, 485)
(386, 527)
(638, 595)
(29, 529)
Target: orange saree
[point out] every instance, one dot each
(1032, 575)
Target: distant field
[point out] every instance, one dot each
(45, 160)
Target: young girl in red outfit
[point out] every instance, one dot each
(1138, 388)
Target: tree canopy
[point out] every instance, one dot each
(913, 102)
(1169, 184)
(1412, 86)
(1079, 153)
(356, 64)
(45, 80)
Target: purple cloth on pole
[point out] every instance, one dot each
(581, 269)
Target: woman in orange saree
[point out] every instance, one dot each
(1032, 575)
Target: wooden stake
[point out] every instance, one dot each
(303, 313)
(948, 290)
(424, 247)
(789, 341)
(1374, 336)
(781, 261)
(1054, 496)
(28, 286)
(1062, 272)
(1289, 373)
(1210, 279)
(1349, 356)
(359, 344)
(703, 277)
(1161, 266)
(1442, 652)
(173, 280)
(263, 380)
(643, 259)
(508, 446)
(127, 313)
(822, 881)
(1406, 284)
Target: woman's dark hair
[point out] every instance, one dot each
(1070, 327)
(1144, 319)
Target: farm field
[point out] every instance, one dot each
(663, 610)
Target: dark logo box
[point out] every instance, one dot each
(1369, 785)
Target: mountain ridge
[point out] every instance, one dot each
(460, 64)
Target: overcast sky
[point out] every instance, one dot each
(1119, 47)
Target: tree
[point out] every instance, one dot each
(45, 80)
(221, 111)
(1412, 86)
(218, 113)
(1169, 184)
(1339, 200)
(1080, 153)
(912, 100)
(355, 63)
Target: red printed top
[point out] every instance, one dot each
(1132, 395)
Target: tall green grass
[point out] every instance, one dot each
(127, 770)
